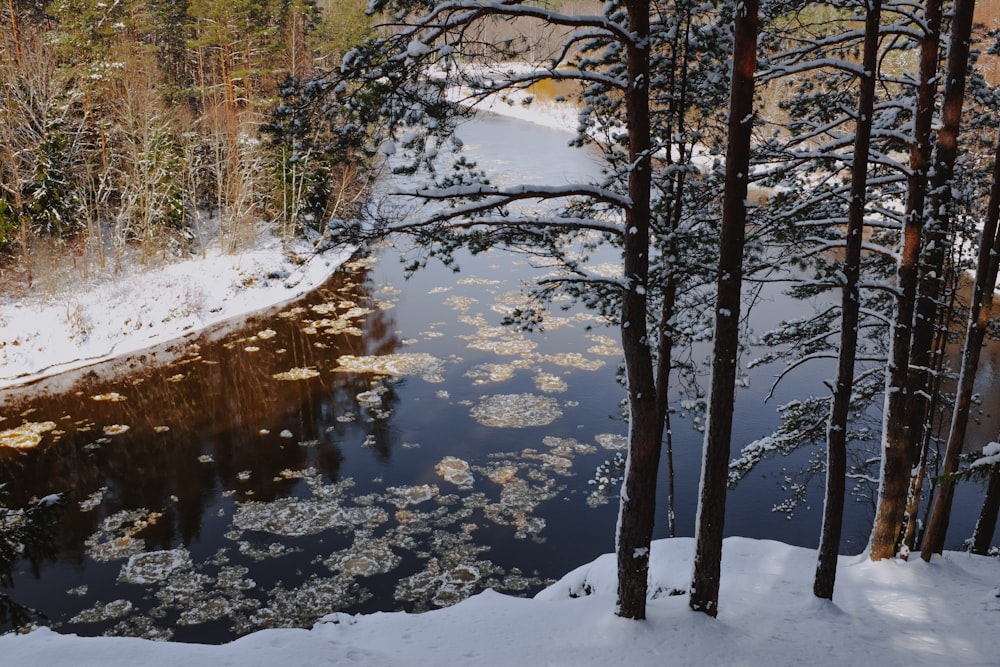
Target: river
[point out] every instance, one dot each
(381, 444)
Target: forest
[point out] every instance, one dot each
(845, 148)
(137, 126)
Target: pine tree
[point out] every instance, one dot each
(712, 501)
(979, 318)
(836, 439)
(904, 412)
(638, 96)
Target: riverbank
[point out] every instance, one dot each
(52, 333)
(47, 334)
(887, 613)
(141, 307)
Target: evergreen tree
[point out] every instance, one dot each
(718, 432)
(836, 439)
(905, 413)
(979, 318)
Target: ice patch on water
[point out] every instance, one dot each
(456, 471)
(154, 566)
(516, 410)
(550, 384)
(426, 366)
(297, 374)
(25, 436)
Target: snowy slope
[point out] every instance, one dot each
(887, 613)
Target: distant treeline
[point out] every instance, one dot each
(122, 121)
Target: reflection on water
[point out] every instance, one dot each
(315, 460)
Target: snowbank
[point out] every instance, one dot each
(126, 313)
(888, 613)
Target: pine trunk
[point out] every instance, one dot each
(905, 408)
(987, 523)
(979, 320)
(920, 157)
(836, 435)
(663, 367)
(638, 498)
(714, 472)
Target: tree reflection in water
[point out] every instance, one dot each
(222, 484)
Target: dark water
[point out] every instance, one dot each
(380, 444)
(250, 483)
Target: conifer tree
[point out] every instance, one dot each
(904, 413)
(836, 439)
(987, 268)
(718, 433)
(638, 96)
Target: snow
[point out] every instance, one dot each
(890, 612)
(989, 456)
(415, 49)
(519, 103)
(47, 334)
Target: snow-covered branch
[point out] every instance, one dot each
(520, 192)
(443, 14)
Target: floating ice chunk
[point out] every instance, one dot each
(154, 566)
(516, 410)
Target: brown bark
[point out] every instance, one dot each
(896, 453)
(15, 36)
(836, 435)
(638, 498)
(715, 463)
(987, 523)
(905, 408)
(677, 77)
(979, 319)
(663, 367)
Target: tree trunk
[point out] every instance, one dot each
(979, 320)
(836, 434)
(677, 107)
(897, 398)
(663, 367)
(714, 471)
(905, 410)
(15, 36)
(23, 221)
(987, 523)
(638, 497)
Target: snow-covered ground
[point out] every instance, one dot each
(53, 333)
(887, 613)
